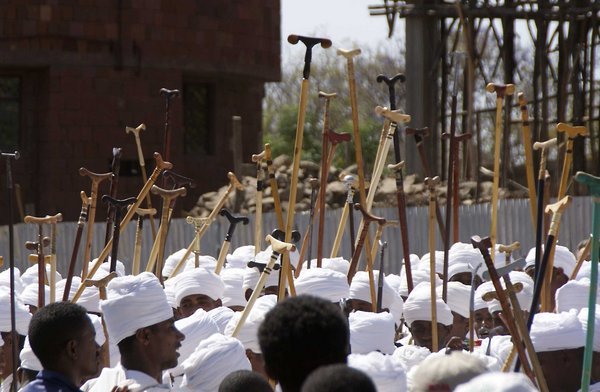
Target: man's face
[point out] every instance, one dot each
(460, 326)
(421, 333)
(193, 302)
(88, 352)
(483, 322)
(465, 278)
(164, 340)
(359, 305)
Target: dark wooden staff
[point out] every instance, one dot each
(101, 285)
(260, 179)
(114, 185)
(233, 222)
(431, 184)
(528, 155)
(137, 250)
(176, 181)
(13, 329)
(462, 138)
(314, 185)
(273, 185)
(96, 180)
(85, 202)
(381, 277)
(483, 244)
(52, 281)
(40, 244)
(118, 206)
(169, 95)
(280, 235)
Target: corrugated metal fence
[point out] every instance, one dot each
(514, 224)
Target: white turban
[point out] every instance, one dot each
(418, 276)
(574, 294)
(251, 275)
(22, 315)
(233, 295)
(29, 295)
(31, 275)
(499, 347)
(483, 289)
(371, 332)
(28, 358)
(5, 280)
(173, 259)
(90, 297)
(457, 246)
(557, 331)
(458, 297)
(98, 328)
(583, 319)
(323, 283)
(170, 290)
(479, 303)
(336, 263)
(585, 272)
(563, 258)
(213, 360)
(199, 281)
(439, 262)
(387, 373)
(470, 256)
(498, 382)
(248, 334)
(361, 289)
(491, 363)
(418, 306)
(458, 268)
(196, 328)
(410, 355)
(395, 282)
(530, 258)
(104, 269)
(221, 315)
(134, 302)
(240, 257)
(525, 296)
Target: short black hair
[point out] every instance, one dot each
(338, 378)
(52, 327)
(245, 381)
(301, 334)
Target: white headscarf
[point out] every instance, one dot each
(323, 283)
(240, 257)
(173, 259)
(439, 262)
(89, 299)
(498, 382)
(233, 295)
(248, 334)
(563, 258)
(361, 289)
(214, 359)
(98, 328)
(338, 264)
(28, 358)
(557, 331)
(199, 281)
(5, 280)
(104, 269)
(29, 295)
(387, 373)
(583, 319)
(196, 328)
(411, 355)
(418, 306)
(418, 276)
(371, 332)
(134, 302)
(458, 297)
(462, 259)
(574, 295)
(221, 315)
(31, 275)
(22, 315)
(251, 275)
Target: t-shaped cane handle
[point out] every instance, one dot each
(168, 194)
(391, 84)
(257, 158)
(145, 211)
(392, 115)
(336, 138)
(431, 183)
(309, 42)
(43, 220)
(396, 167)
(572, 131)
(136, 133)
(418, 133)
(101, 284)
(178, 181)
(234, 181)
(368, 217)
(233, 221)
(509, 248)
(501, 90)
(280, 235)
(95, 177)
(169, 94)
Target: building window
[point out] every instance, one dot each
(198, 118)
(10, 112)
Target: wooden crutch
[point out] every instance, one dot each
(431, 183)
(571, 132)
(233, 184)
(233, 222)
(137, 252)
(351, 183)
(260, 177)
(101, 285)
(160, 166)
(53, 222)
(117, 207)
(508, 250)
(96, 180)
(136, 132)
(198, 223)
(309, 42)
(527, 146)
(501, 91)
(378, 233)
(85, 202)
(115, 168)
(273, 185)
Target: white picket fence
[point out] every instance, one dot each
(514, 224)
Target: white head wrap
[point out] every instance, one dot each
(439, 262)
(585, 272)
(214, 359)
(497, 382)
(104, 269)
(371, 332)
(411, 355)
(457, 246)
(387, 373)
(29, 295)
(574, 295)
(360, 289)
(134, 302)
(583, 319)
(22, 315)
(525, 296)
(563, 258)
(196, 328)
(28, 358)
(530, 258)
(248, 334)
(233, 278)
(170, 290)
(557, 331)
(441, 372)
(458, 297)
(31, 275)
(98, 328)
(491, 363)
(458, 268)
(323, 283)
(173, 259)
(199, 281)
(483, 289)
(251, 275)
(397, 308)
(90, 297)
(5, 280)
(418, 276)
(240, 257)
(221, 315)
(338, 264)
(418, 306)
(469, 256)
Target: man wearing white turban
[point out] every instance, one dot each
(198, 289)
(458, 302)
(22, 318)
(140, 320)
(233, 295)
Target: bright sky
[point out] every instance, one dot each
(346, 22)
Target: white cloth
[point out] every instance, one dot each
(525, 296)
(98, 328)
(418, 276)
(563, 258)
(5, 280)
(104, 269)
(585, 272)
(410, 355)
(22, 315)
(251, 275)
(134, 380)
(28, 358)
(29, 295)
(89, 299)
(418, 306)
(31, 275)
(583, 319)
(323, 283)
(240, 257)
(458, 297)
(199, 281)
(361, 289)
(170, 290)
(338, 264)
(172, 260)
(530, 258)
(387, 373)
(371, 332)
(233, 295)
(462, 259)
(248, 334)
(574, 295)
(196, 328)
(134, 302)
(221, 315)
(557, 331)
(483, 289)
(439, 262)
(214, 359)
(498, 382)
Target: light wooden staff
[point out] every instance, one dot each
(571, 132)
(233, 222)
(274, 188)
(289, 222)
(137, 252)
(96, 180)
(351, 183)
(279, 248)
(501, 91)
(158, 249)
(233, 184)
(508, 250)
(323, 176)
(53, 222)
(582, 256)
(260, 177)
(198, 223)
(431, 183)
(101, 285)
(160, 166)
(378, 234)
(528, 156)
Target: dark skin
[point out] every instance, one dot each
(271, 290)
(465, 278)
(562, 369)
(559, 279)
(258, 363)
(421, 333)
(191, 303)
(154, 349)
(460, 327)
(236, 308)
(6, 350)
(360, 305)
(483, 322)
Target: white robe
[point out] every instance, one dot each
(119, 376)
(6, 384)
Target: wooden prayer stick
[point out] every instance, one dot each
(571, 132)
(528, 156)
(351, 183)
(582, 256)
(53, 222)
(233, 221)
(118, 206)
(378, 234)
(137, 252)
(198, 223)
(274, 188)
(114, 184)
(258, 158)
(431, 183)
(80, 225)
(39, 246)
(508, 250)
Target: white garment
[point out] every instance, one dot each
(119, 376)
(371, 332)
(323, 283)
